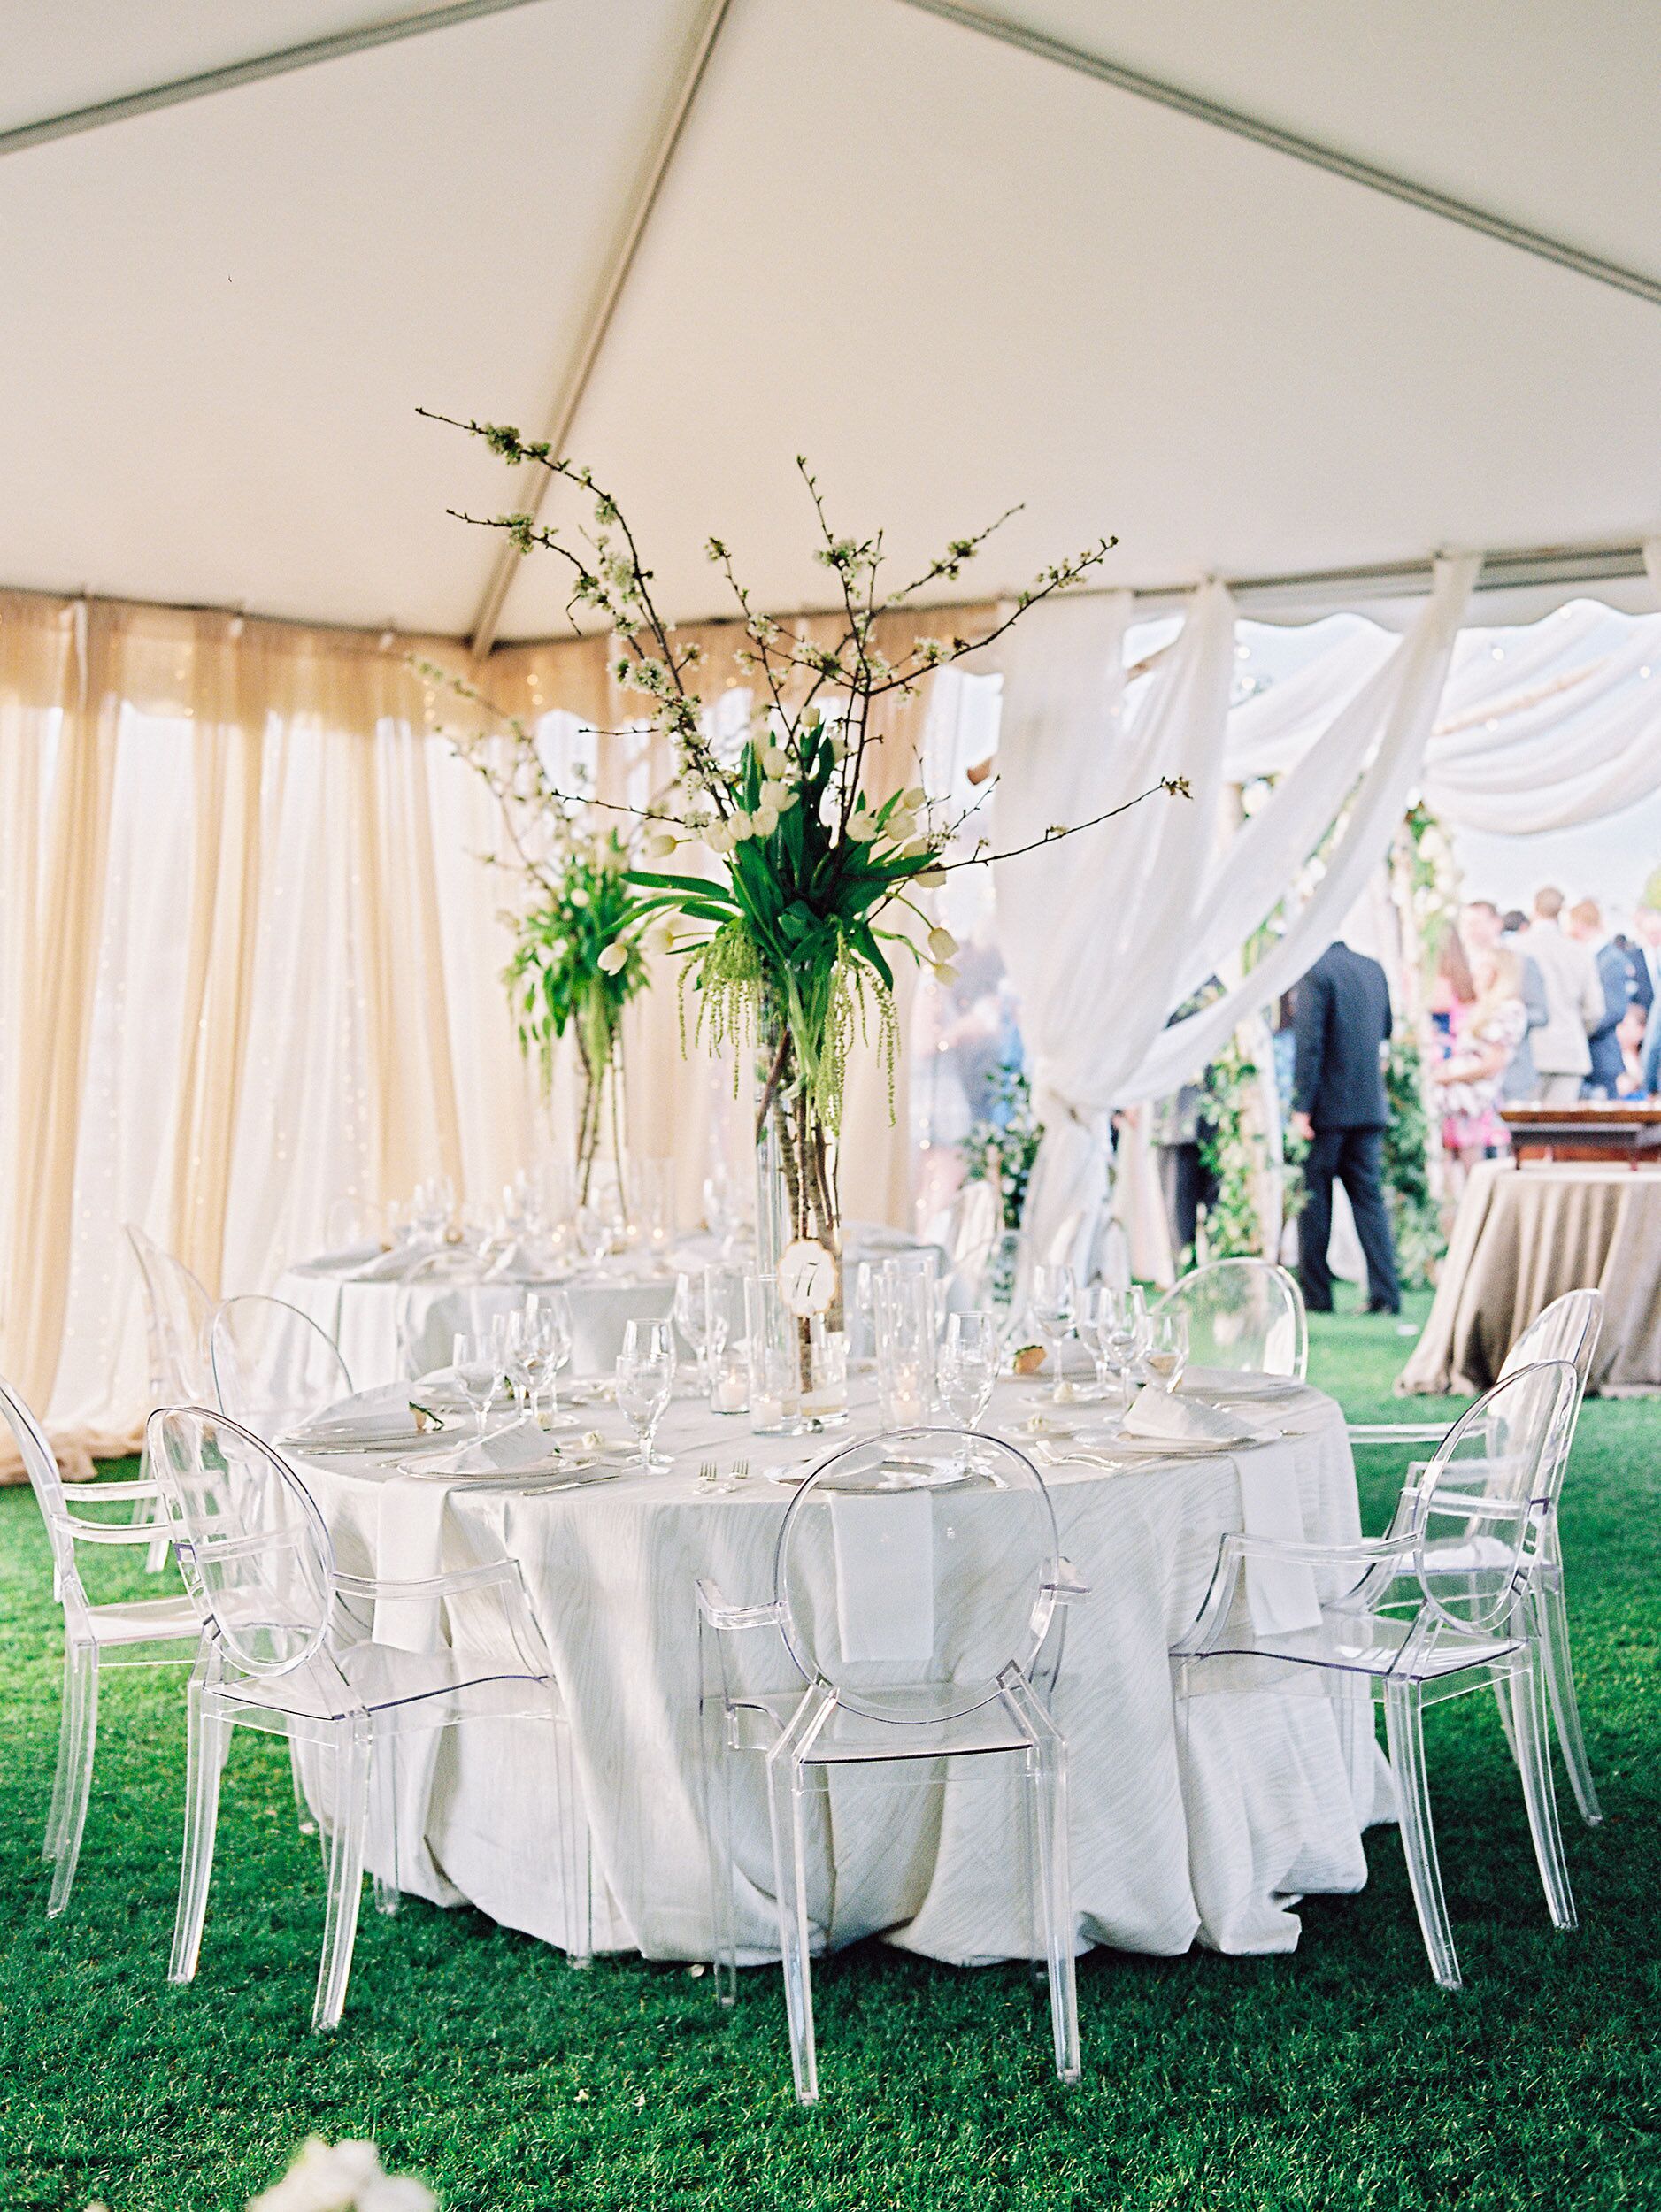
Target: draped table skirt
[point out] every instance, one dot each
(1523, 1236)
(1207, 1827)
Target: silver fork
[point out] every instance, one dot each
(708, 1475)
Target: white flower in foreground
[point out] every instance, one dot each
(942, 945)
(774, 759)
(344, 2177)
(613, 957)
(788, 795)
(862, 829)
(929, 879)
(914, 800)
(945, 974)
(659, 938)
(659, 846)
(719, 837)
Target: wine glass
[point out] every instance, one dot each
(510, 1329)
(1122, 1323)
(480, 1374)
(1167, 1353)
(692, 1317)
(645, 1376)
(967, 1370)
(593, 1233)
(1055, 1296)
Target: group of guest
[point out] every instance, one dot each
(1540, 1009)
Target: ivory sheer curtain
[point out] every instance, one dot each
(1109, 931)
(251, 959)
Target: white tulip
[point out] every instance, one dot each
(720, 837)
(613, 957)
(658, 846)
(942, 945)
(945, 974)
(929, 879)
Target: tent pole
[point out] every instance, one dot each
(278, 63)
(1387, 181)
(603, 305)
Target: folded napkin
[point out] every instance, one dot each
(884, 1544)
(521, 1444)
(1167, 1417)
(1281, 1595)
(382, 1415)
(1235, 1382)
(348, 1260)
(392, 1267)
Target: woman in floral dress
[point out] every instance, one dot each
(1469, 1080)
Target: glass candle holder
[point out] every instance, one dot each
(775, 1361)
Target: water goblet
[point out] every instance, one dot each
(1123, 1322)
(477, 1359)
(968, 1371)
(645, 1378)
(1167, 1353)
(692, 1318)
(547, 1352)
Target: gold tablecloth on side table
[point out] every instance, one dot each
(1522, 1237)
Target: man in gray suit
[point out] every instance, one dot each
(1574, 1001)
(1481, 930)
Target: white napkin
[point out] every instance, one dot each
(884, 1544)
(1280, 1593)
(1235, 1382)
(348, 1260)
(392, 1267)
(521, 1444)
(1163, 1414)
(380, 1416)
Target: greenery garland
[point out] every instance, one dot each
(1001, 1146)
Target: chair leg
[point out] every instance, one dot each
(383, 1797)
(66, 1713)
(1046, 1779)
(346, 1878)
(1405, 1735)
(304, 1814)
(77, 1743)
(1553, 1631)
(1534, 1764)
(207, 1736)
(152, 1510)
(717, 1822)
(784, 1794)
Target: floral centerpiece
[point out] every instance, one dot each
(577, 962)
(796, 882)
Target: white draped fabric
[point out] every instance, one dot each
(1107, 933)
(1539, 728)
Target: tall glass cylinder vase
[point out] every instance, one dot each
(602, 1166)
(798, 1219)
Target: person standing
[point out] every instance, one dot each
(1484, 932)
(1574, 1002)
(1339, 1107)
(1585, 924)
(1647, 977)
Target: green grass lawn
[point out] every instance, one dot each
(1336, 2078)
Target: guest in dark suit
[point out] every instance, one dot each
(1339, 1104)
(1615, 973)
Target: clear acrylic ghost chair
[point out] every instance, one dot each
(272, 1366)
(1568, 1329)
(986, 1696)
(177, 1313)
(1244, 1315)
(148, 1631)
(1392, 1628)
(289, 1649)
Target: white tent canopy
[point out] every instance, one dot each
(955, 271)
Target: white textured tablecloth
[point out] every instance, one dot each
(1206, 1830)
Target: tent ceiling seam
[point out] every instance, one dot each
(279, 63)
(1311, 151)
(636, 213)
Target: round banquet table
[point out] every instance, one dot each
(1523, 1236)
(1207, 1828)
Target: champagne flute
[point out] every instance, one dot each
(645, 1376)
(477, 1360)
(692, 1318)
(1167, 1353)
(968, 1367)
(547, 1353)
(1054, 1305)
(1123, 1325)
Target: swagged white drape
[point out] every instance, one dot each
(1539, 728)
(1106, 933)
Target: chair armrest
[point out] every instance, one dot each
(118, 1532)
(719, 1612)
(441, 1585)
(1366, 1555)
(1069, 1583)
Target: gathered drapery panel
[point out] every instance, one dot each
(1539, 728)
(249, 964)
(1108, 931)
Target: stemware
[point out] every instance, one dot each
(968, 1367)
(593, 1233)
(546, 1352)
(1167, 1353)
(692, 1318)
(1121, 1325)
(480, 1372)
(1055, 1296)
(727, 1339)
(645, 1378)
